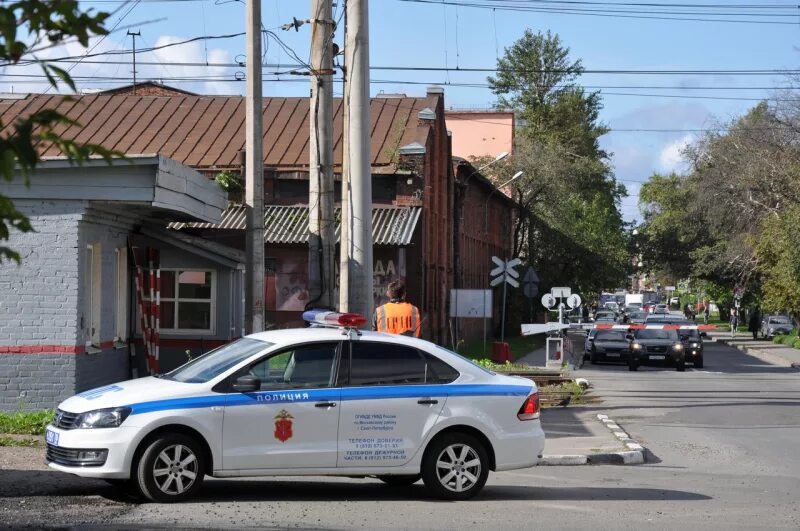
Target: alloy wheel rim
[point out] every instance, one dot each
(175, 469)
(458, 467)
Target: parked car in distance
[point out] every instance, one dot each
(656, 347)
(660, 308)
(637, 317)
(605, 317)
(772, 325)
(609, 345)
(587, 343)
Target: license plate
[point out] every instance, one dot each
(613, 354)
(658, 357)
(51, 437)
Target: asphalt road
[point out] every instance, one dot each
(724, 452)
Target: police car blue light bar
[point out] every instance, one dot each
(329, 318)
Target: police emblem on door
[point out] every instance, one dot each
(283, 426)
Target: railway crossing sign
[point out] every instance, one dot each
(504, 272)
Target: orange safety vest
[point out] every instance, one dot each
(398, 318)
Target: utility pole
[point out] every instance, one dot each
(321, 242)
(357, 250)
(133, 35)
(254, 175)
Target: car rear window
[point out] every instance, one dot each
(610, 335)
(657, 334)
(373, 363)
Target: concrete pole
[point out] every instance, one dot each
(358, 215)
(321, 243)
(254, 175)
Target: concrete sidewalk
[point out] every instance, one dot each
(576, 436)
(765, 350)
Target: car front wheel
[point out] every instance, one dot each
(698, 362)
(455, 466)
(681, 364)
(171, 468)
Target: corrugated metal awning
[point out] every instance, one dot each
(289, 224)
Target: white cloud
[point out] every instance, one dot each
(671, 158)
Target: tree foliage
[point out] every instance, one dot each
(28, 27)
(734, 218)
(568, 225)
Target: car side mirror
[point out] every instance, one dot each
(247, 384)
(703, 334)
(629, 337)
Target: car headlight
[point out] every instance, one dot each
(695, 345)
(636, 346)
(103, 418)
(677, 346)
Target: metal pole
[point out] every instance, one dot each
(359, 215)
(321, 244)
(254, 175)
(503, 319)
(133, 35)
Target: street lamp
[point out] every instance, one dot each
(486, 204)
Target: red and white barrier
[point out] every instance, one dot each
(664, 326)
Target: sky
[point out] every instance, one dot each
(652, 116)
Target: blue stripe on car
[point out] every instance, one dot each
(337, 394)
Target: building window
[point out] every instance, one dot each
(187, 300)
(92, 296)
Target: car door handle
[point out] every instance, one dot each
(427, 401)
(325, 404)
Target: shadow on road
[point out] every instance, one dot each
(37, 484)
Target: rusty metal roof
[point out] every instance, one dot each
(207, 132)
(289, 224)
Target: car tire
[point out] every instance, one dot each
(633, 366)
(698, 362)
(177, 458)
(444, 466)
(593, 358)
(681, 364)
(400, 481)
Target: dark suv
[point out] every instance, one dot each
(609, 345)
(656, 347)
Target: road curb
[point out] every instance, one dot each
(634, 455)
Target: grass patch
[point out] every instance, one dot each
(20, 442)
(562, 394)
(25, 422)
(790, 340)
(519, 345)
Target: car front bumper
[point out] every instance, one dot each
(119, 443)
(647, 358)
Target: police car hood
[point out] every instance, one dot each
(130, 392)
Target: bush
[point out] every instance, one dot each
(25, 422)
(796, 343)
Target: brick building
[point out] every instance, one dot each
(414, 199)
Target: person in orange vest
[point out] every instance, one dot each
(397, 316)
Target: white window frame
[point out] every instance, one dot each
(121, 281)
(93, 296)
(177, 299)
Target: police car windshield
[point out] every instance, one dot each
(212, 364)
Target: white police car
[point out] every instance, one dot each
(312, 401)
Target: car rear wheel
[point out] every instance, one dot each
(455, 466)
(400, 481)
(171, 468)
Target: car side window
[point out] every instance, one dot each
(301, 367)
(385, 364)
(439, 371)
(388, 364)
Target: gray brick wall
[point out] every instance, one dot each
(35, 381)
(39, 298)
(42, 303)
